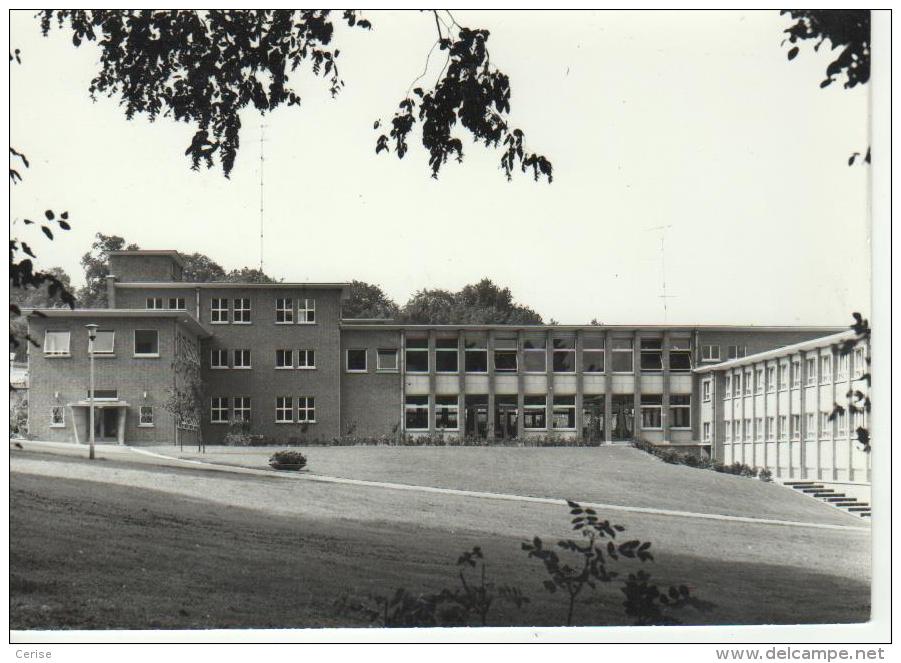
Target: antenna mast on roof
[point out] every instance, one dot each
(663, 296)
(262, 129)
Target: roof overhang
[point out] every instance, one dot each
(812, 344)
(88, 314)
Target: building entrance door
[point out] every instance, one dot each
(505, 417)
(593, 420)
(623, 420)
(106, 424)
(476, 413)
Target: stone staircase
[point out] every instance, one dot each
(828, 495)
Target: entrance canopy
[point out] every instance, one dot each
(111, 418)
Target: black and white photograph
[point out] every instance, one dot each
(449, 325)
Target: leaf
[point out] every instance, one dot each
(47, 231)
(792, 53)
(49, 214)
(64, 225)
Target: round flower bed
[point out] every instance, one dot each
(287, 460)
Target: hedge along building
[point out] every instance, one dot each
(278, 359)
(773, 410)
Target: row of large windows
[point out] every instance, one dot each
(770, 378)
(535, 412)
(288, 409)
(786, 427)
(239, 311)
(221, 358)
(145, 343)
(533, 358)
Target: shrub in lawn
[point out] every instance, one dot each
(765, 475)
(238, 434)
(291, 458)
(587, 563)
(466, 605)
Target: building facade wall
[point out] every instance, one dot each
(145, 268)
(371, 400)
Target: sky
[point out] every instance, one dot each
(692, 121)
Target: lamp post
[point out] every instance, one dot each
(92, 335)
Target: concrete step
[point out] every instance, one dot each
(864, 514)
(798, 484)
(824, 493)
(859, 507)
(837, 497)
(812, 489)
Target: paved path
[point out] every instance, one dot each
(494, 496)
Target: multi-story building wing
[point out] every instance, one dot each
(278, 358)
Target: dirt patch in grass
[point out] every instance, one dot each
(92, 555)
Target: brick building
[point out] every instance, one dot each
(279, 357)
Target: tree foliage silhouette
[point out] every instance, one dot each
(205, 67)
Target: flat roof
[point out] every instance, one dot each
(172, 253)
(368, 324)
(183, 285)
(813, 343)
(105, 313)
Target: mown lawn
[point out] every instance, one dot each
(215, 550)
(610, 475)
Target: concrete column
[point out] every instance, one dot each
(636, 397)
(111, 291)
(802, 419)
(461, 384)
(491, 385)
(549, 371)
(776, 413)
(432, 381)
(608, 387)
(120, 433)
(402, 361)
(665, 411)
(580, 383)
(520, 384)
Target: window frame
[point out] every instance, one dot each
(242, 366)
(284, 404)
(826, 369)
(443, 350)
(565, 408)
(219, 352)
(417, 408)
(706, 390)
(62, 420)
(530, 350)
(153, 304)
(307, 406)
(239, 311)
(378, 360)
(218, 311)
(651, 407)
(673, 406)
(616, 352)
(101, 353)
(177, 300)
(534, 409)
(286, 312)
(141, 422)
(646, 348)
(306, 314)
(282, 354)
(417, 348)
(309, 359)
(145, 355)
(224, 404)
(709, 356)
(67, 352)
(242, 408)
(348, 369)
(449, 406)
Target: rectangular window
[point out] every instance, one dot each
(417, 355)
(564, 413)
(680, 410)
(534, 414)
(416, 409)
(241, 311)
(771, 378)
(705, 390)
(860, 362)
(758, 428)
(242, 358)
(783, 427)
(104, 343)
(651, 354)
(306, 359)
(284, 359)
(284, 311)
(284, 410)
(218, 410)
(386, 360)
(218, 310)
(826, 369)
(218, 358)
(306, 410)
(446, 355)
(771, 428)
(651, 411)
(147, 343)
(728, 431)
(621, 355)
(154, 303)
(736, 385)
(825, 425)
(747, 382)
(727, 390)
(810, 431)
(710, 353)
(356, 361)
(736, 351)
(783, 376)
(746, 430)
(57, 416)
(758, 380)
(796, 372)
(810, 364)
(534, 353)
(842, 424)
(177, 304)
(564, 354)
(505, 360)
(796, 427)
(241, 408)
(680, 355)
(56, 343)
(706, 431)
(105, 394)
(306, 311)
(592, 353)
(145, 416)
(476, 354)
(447, 413)
(841, 370)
